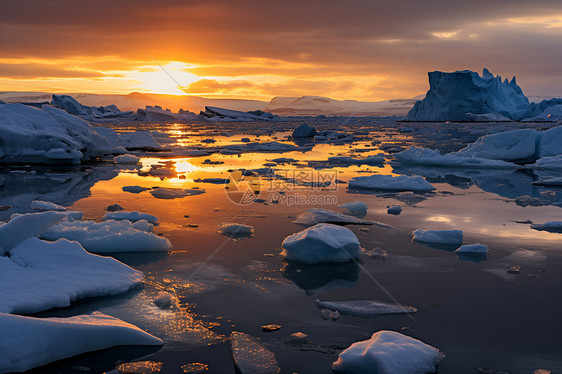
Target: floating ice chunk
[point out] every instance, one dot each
(527, 200)
(428, 157)
(472, 249)
(356, 208)
(28, 342)
(213, 180)
(365, 308)
(250, 356)
(47, 135)
(109, 236)
(552, 226)
(322, 243)
(315, 216)
(143, 225)
(235, 230)
(40, 275)
(163, 300)
(174, 193)
(388, 352)
(304, 131)
(551, 162)
(516, 145)
(551, 142)
(24, 226)
(344, 160)
(394, 210)
(439, 237)
(127, 159)
(135, 189)
(138, 140)
(46, 205)
(114, 208)
(390, 183)
(329, 314)
(129, 216)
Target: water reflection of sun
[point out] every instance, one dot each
(185, 167)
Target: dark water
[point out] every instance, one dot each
(474, 311)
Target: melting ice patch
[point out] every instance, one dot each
(27, 342)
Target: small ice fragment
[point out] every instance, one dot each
(250, 356)
(126, 159)
(46, 205)
(394, 210)
(135, 189)
(438, 237)
(270, 328)
(235, 230)
(473, 248)
(174, 193)
(365, 308)
(163, 300)
(114, 208)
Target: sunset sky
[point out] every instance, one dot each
(261, 49)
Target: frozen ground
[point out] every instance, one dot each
(500, 313)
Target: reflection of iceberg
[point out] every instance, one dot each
(322, 276)
(65, 188)
(505, 183)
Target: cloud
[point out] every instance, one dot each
(298, 42)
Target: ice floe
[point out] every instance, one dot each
(27, 342)
(127, 159)
(365, 308)
(345, 160)
(109, 236)
(46, 205)
(138, 140)
(47, 136)
(356, 208)
(135, 189)
(24, 226)
(388, 352)
(552, 226)
(423, 156)
(250, 356)
(130, 216)
(321, 243)
(174, 193)
(41, 275)
(315, 216)
(304, 131)
(394, 210)
(451, 238)
(235, 230)
(390, 183)
(472, 249)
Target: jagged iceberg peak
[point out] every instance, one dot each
(452, 95)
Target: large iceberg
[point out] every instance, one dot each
(465, 95)
(47, 136)
(90, 113)
(27, 342)
(388, 352)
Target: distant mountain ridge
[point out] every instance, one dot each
(283, 106)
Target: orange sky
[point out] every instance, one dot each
(258, 50)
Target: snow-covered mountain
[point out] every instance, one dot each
(315, 105)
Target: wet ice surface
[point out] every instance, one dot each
(477, 313)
